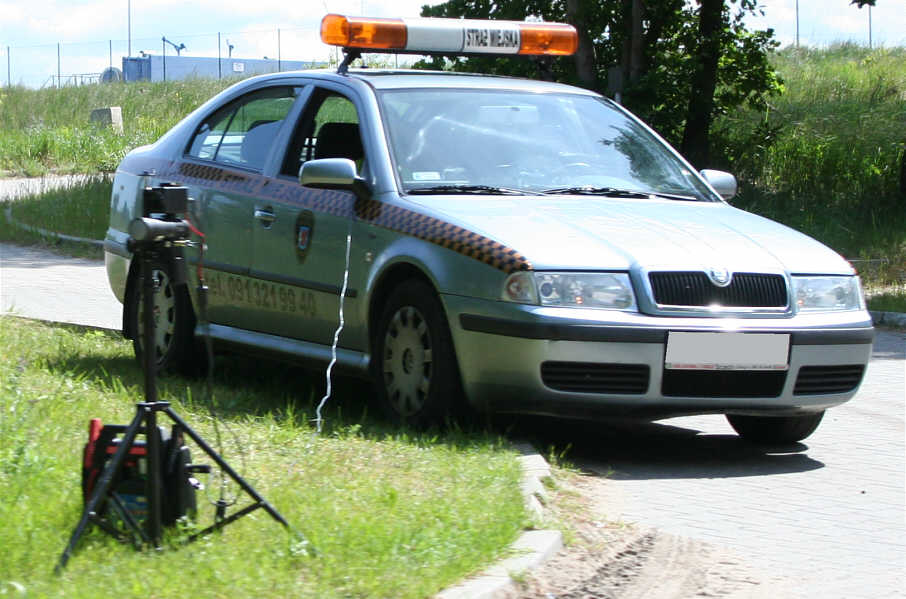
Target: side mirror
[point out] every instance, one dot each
(723, 183)
(333, 173)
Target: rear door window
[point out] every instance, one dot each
(243, 132)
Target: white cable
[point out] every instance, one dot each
(336, 338)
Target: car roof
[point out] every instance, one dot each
(413, 78)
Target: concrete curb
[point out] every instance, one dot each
(530, 550)
(892, 319)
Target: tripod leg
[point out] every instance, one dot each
(100, 492)
(226, 468)
(126, 516)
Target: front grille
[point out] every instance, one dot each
(722, 383)
(815, 380)
(746, 290)
(591, 377)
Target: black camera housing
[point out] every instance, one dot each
(167, 199)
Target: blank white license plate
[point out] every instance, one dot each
(727, 351)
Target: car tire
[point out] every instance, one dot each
(775, 429)
(175, 341)
(414, 366)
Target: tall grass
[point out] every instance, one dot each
(81, 210)
(49, 129)
(825, 156)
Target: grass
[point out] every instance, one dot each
(890, 300)
(82, 210)
(825, 157)
(392, 514)
(48, 130)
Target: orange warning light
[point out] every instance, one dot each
(548, 38)
(363, 32)
(449, 36)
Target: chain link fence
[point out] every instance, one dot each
(63, 64)
(820, 23)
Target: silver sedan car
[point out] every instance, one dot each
(494, 243)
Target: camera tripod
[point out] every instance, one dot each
(151, 240)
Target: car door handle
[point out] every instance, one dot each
(265, 216)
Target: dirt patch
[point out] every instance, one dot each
(608, 559)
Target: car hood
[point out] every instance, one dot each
(581, 232)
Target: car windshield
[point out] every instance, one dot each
(475, 141)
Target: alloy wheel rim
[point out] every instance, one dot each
(407, 361)
(164, 314)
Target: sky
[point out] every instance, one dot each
(94, 34)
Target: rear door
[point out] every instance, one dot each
(223, 169)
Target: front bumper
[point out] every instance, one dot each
(513, 358)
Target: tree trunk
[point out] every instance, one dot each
(586, 68)
(637, 48)
(633, 42)
(696, 141)
(903, 176)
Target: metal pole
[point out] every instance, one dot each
(797, 23)
(129, 12)
(152, 439)
(59, 78)
(869, 26)
(219, 73)
(279, 57)
(9, 82)
(163, 53)
(110, 42)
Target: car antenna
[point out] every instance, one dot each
(349, 54)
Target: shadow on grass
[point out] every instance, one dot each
(255, 387)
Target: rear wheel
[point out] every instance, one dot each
(775, 429)
(174, 344)
(414, 365)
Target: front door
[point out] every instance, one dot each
(300, 235)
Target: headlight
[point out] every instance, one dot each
(828, 294)
(609, 291)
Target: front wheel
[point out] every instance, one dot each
(414, 365)
(174, 321)
(775, 429)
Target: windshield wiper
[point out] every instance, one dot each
(467, 189)
(614, 192)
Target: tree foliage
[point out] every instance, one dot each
(649, 51)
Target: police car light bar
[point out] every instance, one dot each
(448, 36)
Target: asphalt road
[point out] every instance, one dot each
(39, 284)
(822, 518)
(827, 515)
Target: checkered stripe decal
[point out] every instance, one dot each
(339, 203)
(447, 235)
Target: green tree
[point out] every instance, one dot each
(676, 64)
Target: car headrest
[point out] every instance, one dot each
(339, 140)
(257, 142)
